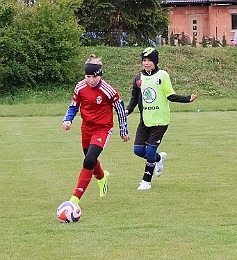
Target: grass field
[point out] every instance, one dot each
(210, 72)
(190, 212)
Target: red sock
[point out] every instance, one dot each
(83, 181)
(98, 172)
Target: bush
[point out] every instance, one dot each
(183, 40)
(194, 42)
(172, 39)
(213, 42)
(224, 41)
(40, 44)
(204, 42)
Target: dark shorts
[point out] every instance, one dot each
(149, 135)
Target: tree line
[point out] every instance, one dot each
(41, 40)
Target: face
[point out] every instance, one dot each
(92, 80)
(148, 65)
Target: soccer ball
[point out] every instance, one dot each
(68, 212)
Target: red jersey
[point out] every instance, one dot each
(96, 104)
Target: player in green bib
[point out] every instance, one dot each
(152, 91)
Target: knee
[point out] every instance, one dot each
(140, 151)
(89, 163)
(151, 153)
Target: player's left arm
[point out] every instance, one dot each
(182, 99)
(122, 119)
(170, 93)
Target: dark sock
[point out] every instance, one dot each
(149, 169)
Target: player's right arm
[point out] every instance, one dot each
(136, 92)
(67, 125)
(72, 110)
(70, 114)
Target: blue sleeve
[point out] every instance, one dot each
(71, 113)
(122, 118)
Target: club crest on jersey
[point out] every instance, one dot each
(99, 100)
(158, 82)
(149, 95)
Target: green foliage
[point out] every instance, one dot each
(7, 13)
(183, 40)
(137, 18)
(172, 41)
(204, 42)
(41, 45)
(224, 44)
(194, 42)
(213, 42)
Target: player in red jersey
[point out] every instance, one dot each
(96, 99)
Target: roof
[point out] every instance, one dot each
(207, 2)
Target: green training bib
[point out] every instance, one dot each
(155, 90)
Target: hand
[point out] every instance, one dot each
(126, 137)
(126, 112)
(67, 125)
(193, 97)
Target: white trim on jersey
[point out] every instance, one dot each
(80, 85)
(108, 136)
(107, 89)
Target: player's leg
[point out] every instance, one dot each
(155, 136)
(98, 171)
(87, 171)
(140, 149)
(140, 141)
(101, 138)
(149, 167)
(159, 167)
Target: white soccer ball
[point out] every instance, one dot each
(68, 212)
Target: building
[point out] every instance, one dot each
(203, 17)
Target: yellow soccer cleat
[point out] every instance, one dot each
(75, 199)
(103, 184)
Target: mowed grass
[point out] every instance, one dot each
(58, 109)
(190, 212)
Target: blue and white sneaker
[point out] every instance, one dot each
(159, 167)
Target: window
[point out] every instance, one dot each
(194, 34)
(194, 21)
(234, 21)
(194, 28)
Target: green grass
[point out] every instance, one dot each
(210, 72)
(58, 109)
(190, 212)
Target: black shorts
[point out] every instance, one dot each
(149, 135)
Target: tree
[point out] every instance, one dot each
(140, 20)
(223, 41)
(172, 42)
(213, 42)
(194, 42)
(204, 42)
(183, 40)
(40, 45)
